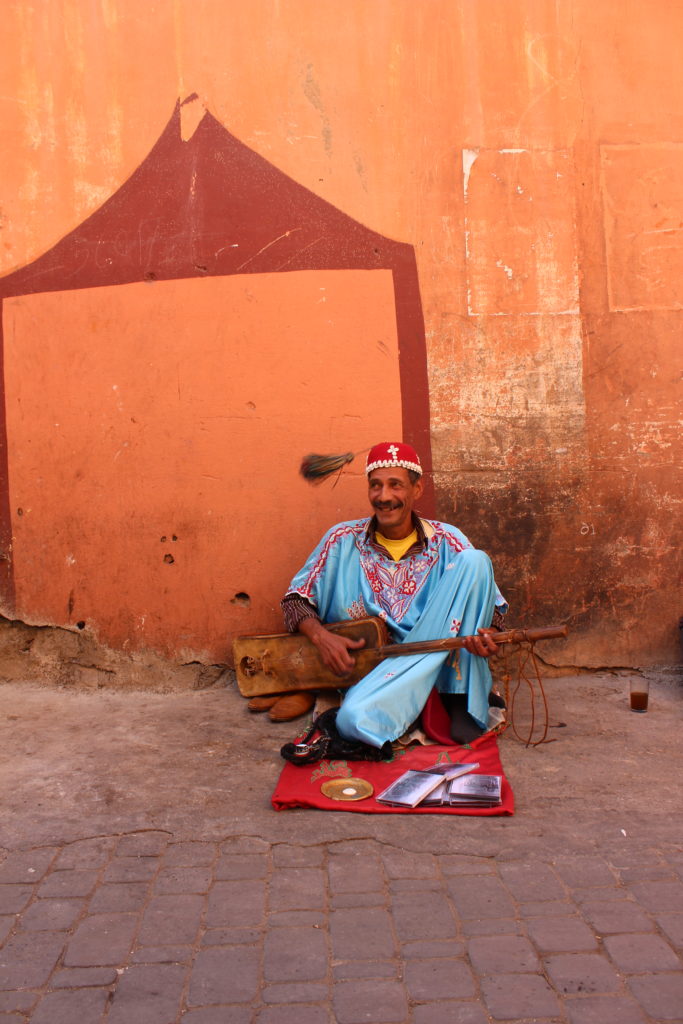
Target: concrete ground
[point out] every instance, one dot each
(145, 878)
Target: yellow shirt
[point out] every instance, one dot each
(396, 548)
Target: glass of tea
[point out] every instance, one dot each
(640, 692)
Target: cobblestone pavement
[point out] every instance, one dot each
(252, 917)
(141, 929)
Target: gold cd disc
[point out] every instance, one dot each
(346, 789)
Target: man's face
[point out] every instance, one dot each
(392, 497)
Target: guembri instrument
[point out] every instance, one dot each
(286, 662)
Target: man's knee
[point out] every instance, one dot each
(478, 563)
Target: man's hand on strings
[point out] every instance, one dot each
(335, 650)
(483, 644)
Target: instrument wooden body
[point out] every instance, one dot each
(286, 662)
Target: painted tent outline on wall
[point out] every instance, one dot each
(166, 365)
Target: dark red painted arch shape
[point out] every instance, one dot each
(210, 207)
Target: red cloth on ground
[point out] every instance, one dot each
(435, 721)
(299, 785)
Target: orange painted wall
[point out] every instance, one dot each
(532, 153)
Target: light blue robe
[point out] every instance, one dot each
(446, 590)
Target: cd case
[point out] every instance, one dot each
(476, 791)
(416, 785)
(448, 772)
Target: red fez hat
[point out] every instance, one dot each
(393, 454)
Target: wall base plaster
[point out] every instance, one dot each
(54, 656)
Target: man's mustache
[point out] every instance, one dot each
(386, 506)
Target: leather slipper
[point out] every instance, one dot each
(262, 703)
(292, 706)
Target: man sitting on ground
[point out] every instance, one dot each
(426, 581)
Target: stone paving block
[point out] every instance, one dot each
(356, 874)
(189, 854)
(425, 949)
(29, 958)
(27, 865)
(224, 975)
(357, 899)
(13, 898)
(295, 954)
(295, 992)
(573, 973)
(603, 892)
(456, 865)
(647, 872)
(183, 880)
(365, 969)
(369, 1002)
(672, 926)
(231, 936)
(11, 1018)
(7, 923)
(131, 869)
(101, 940)
(601, 1009)
(163, 955)
(661, 996)
(547, 908)
(641, 954)
(362, 932)
(20, 1001)
(502, 954)
(450, 1012)
(51, 915)
(629, 854)
(68, 1006)
(236, 904)
(219, 1015)
(84, 977)
(531, 880)
(68, 884)
(285, 855)
(171, 920)
(611, 916)
(659, 896)
(584, 871)
(148, 995)
(244, 844)
(561, 935)
(297, 889)
(241, 865)
(427, 980)
(519, 996)
(350, 847)
(142, 844)
(86, 853)
(288, 1014)
(292, 918)
(122, 897)
(422, 916)
(415, 885)
(492, 926)
(487, 897)
(406, 864)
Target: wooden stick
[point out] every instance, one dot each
(511, 636)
